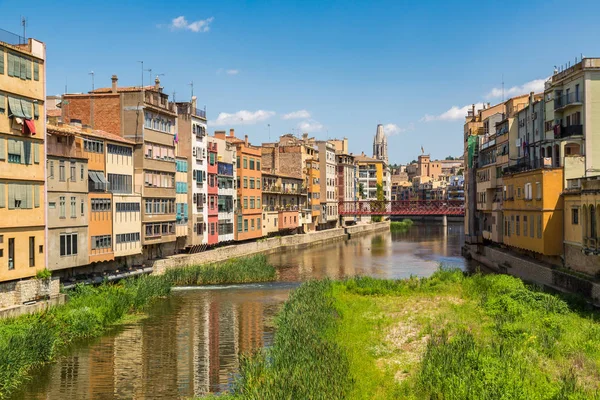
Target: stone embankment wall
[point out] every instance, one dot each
(266, 246)
(13, 295)
(502, 261)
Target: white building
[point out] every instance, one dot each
(328, 183)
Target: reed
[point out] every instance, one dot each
(31, 340)
(401, 226)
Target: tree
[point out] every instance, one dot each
(450, 158)
(361, 190)
(379, 205)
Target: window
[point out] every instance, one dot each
(211, 158)
(252, 202)
(119, 150)
(538, 191)
(11, 253)
(52, 205)
(575, 216)
(127, 237)
(51, 169)
(100, 205)
(31, 251)
(239, 223)
(258, 223)
(245, 225)
(73, 171)
(237, 161)
(524, 225)
(245, 183)
(120, 183)
(531, 226)
(82, 208)
(101, 242)
(128, 207)
(245, 203)
(93, 146)
(252, 163)
(527, 190)
(251, 183)
(212, 228)
(518, 230)
(245, 163)
(61, 171)
(81, 172)
(257, 165)
(73, 207)
(539, 228)
(252, 224)
(62, 210)
(68, 244)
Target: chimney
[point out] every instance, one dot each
(305, 136)
(231, 132)
(531, 97)
(157, 84)
(114, 83)
(194, 103)
(245, 139)
(220, 134)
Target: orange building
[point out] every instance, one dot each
(248, 223)
(314, 190)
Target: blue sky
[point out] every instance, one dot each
(338, 67)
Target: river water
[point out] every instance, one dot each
(191, 342)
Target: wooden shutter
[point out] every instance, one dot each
(2, 61)
(36, 153)
(36, 70)
(26, 152)
(28, 68)
(11, 66)
(2, 149)
(12, 187)
(2, 196)
(23, 63)
(36, 110)
(28, 201)
(36, 196)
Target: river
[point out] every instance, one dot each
(190, 344)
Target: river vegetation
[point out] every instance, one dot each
(401, 226)
(449, 336)
(31, 340)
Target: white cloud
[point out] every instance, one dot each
(310, 126)
(202, 25)
(232, 71)
(393, 129)
(242, 117)
(296, 115)
(536, 85)
(455, 113)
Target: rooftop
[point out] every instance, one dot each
(96, 133)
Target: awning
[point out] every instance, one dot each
(94, 177)
(29, 127)
(14, 107)
(101, 177)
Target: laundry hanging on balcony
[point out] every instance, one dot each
(22, 112)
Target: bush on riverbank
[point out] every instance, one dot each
(401, 226)
(444, 337)
(31, 340)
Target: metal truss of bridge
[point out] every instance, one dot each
(402, 207)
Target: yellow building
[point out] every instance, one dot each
(582, 225)
(533, 211)
(314, 191)
(22, 157)
(370, 174)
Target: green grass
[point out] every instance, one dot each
(401, 226)
(445, 337)
(31, 340)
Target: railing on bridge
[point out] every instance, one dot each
(402, 207)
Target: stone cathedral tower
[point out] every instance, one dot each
(380, 150)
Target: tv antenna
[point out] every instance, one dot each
(141, 62)
(192, 86)
(24, 25)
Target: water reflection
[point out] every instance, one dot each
(191, 342)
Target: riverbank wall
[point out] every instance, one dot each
(503, 261)
(267, 246)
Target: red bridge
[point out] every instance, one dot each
(402, 207)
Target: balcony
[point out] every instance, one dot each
(526, 164)
(568, 131)
(567, 100)
(200, 113)
(62, 150)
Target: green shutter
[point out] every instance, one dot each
(28, 68)
(2, 103)
(36, 70)
(11, 67)
(36, 110)
(26, 152)
(16, 66)
(27, 107)
(2, 196)
(36, 153)
(2, 149)
(23, 62)
(11, 196)
(36, 196)
(2, 61)
(14, 107)
(28, 199)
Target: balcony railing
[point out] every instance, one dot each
(61, 150)
(11, 38)
(288, 207)
(567, 100)
(526, 164)
(200, 113)
(568, 131)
